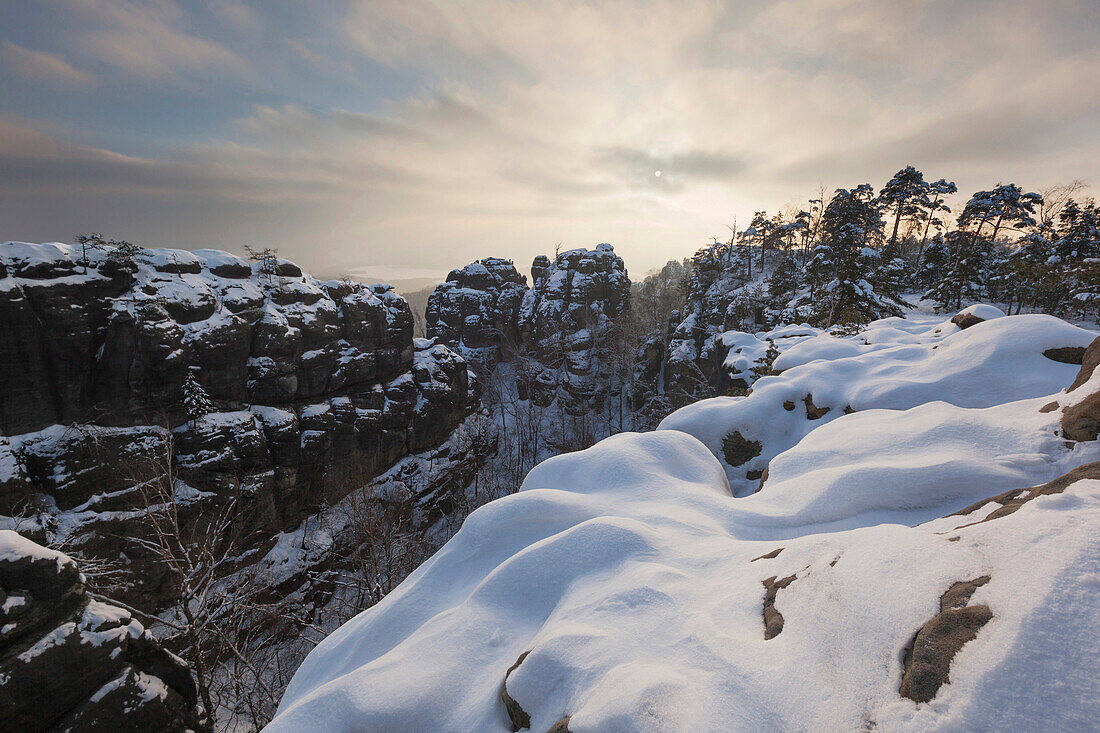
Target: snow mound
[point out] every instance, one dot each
(623, 589)
(985, 311)
(892, 365)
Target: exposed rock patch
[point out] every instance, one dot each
(773, 619)
(1089, 361)
(737, 449)
(813, 412)
(927, 660)
(1066, 354)
(519, 717)
(1010, 501)
(966, 320)
(561, 726)
(1081, 421)
(768, 556)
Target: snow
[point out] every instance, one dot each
(14, 546)
(985, 365)
(627, 570)
(984, 311)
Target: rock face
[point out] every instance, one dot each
(476, 312)
(560, 323)
(565, 320)
(68, 662)
(316, 386)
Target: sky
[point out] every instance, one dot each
(414, 136)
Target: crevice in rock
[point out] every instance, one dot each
(519, 717)
(773, 619)
(926, 662)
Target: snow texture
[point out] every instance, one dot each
(635, 580)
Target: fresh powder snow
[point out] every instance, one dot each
(635, 585)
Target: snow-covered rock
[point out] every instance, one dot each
(895, 364)
(476, 311)
(317, 387)
(896, 572)
(68, 662)
(486, 312)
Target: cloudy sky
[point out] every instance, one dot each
(416, 135)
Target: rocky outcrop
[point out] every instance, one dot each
(111, 340)
(476, 311)
(316, 387)
(68, 662)
(565, 320)
(559, 324)
(1011, 501)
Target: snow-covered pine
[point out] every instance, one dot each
(195, 398)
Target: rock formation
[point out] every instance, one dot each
(476, 311)
(316, 386)
(560, 323)
(68, 662)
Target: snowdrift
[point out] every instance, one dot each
(626, 589)
(895, 364)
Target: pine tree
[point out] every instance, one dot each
(933, 262)
(851, 231)
(1078, 231)
(195, 398)
(963, 279)
(784, 279)
(1005, 206)
(906, 195)
(1031, 274)
(937, 192)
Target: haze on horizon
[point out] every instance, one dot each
(418, 136)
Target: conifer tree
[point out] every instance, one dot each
(784, 279)
(195, 398)
(933, 262)
(963, 279)
(937, 192)
(851, 232)
(905, 195)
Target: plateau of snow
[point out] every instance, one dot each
(634, 578)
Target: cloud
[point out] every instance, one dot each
(149, 40)
(454, 130)
(42, 66)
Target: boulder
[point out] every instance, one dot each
(1081, 419)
